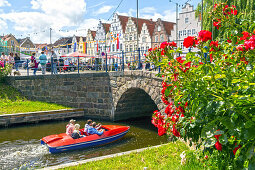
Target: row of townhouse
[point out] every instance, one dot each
(120, 36)
(24, 47)
(114, 38)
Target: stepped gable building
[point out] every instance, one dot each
(188, 25)
(162, 32)
(63, 46)
(90, 41)
(102, 30)
(145, 37)
(81, 45)
(117, 28)
(27, 47)
(131, 36)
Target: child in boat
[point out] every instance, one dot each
(93, 130)
(87, 126)
(70, 127)
(76, 133)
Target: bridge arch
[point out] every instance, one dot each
(135, 98)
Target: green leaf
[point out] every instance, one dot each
(249, 124)
(223, 139)
(209, 142)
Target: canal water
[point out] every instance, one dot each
(20, 146)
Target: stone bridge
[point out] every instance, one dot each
(110, 96)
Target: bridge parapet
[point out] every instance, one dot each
(114, 95)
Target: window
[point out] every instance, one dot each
(126, 48)
(130, 48)
(144, 31)
(186, 20)
(156, 38)
(142, 49)
(126, 37)
(144, 39)
(184, 32)
(27, 46)
(180, 33)
(135, 36)
(189, 32)
(159, 28)
(113, 47)
(161, 37)
(130, 37)
(120, 47)
(193, 31)
(182, 45)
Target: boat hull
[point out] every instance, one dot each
(88, 144)
(62, 142)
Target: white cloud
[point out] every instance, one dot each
(103, 10)
(55, 14)
(148, 10)
(167, 15)
(4, 3)
(3, 25)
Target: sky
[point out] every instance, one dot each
(34, 18)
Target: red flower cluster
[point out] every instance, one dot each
(180, 60)
(163, 45)
(226, 12)
(163, 97)
(218, 145)
(204, 35)
(190, 41)
(159, 122)
(217, 23)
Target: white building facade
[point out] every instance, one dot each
(188, 25)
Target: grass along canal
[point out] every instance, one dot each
(20, 146)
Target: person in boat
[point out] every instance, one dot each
(76, 133)
(70, 127)
(93, 130)
(87, 126)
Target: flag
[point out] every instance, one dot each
(74, 49)
(97, 47)
(84, 47)
(118, 42)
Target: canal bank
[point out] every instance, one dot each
(35, 117)
(20, 145)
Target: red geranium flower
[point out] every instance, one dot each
(214, 44)
(180, 60)
(218, 146)
(163, 45)
(204, 35)
(217, 24)
(175, 131)
(161, 131)
(189, 42)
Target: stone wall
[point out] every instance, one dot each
(89, 91)
(114, 95)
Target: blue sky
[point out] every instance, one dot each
(34, 18)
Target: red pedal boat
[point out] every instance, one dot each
(63, 142)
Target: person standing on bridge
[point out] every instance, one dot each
(54, 60)
(43, 61)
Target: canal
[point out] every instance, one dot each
(20, 146)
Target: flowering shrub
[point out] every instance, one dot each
(209, 94)
(4, 70)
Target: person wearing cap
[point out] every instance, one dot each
(70, 127)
